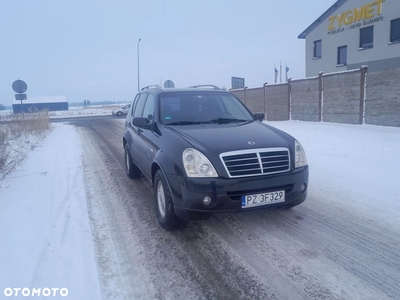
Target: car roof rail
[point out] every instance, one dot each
(156, 86)
(205, 86)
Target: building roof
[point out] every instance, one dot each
(45, 99)
(322, 18)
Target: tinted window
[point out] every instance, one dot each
(395, 30)
(342, 56)
(134, 103)
(318, 49)
(201, 107)
(367, 37)
(148, 111)
(140, 105)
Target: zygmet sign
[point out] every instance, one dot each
(358, 14)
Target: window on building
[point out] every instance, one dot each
(342, 56)
(367, 37)
(318, 49)
(395, 30)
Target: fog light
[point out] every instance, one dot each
(303, 187)
(207, 200)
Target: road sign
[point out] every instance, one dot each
(19, 86)
(20, 96)
(237, 83)
(169, 84)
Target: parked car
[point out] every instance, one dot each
(123, 110)
(205, 152)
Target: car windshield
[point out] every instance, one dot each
(202, 107)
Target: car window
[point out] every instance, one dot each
(140, 105)
(134, 103)
(233, 107)
(201, 107)
(148, 111)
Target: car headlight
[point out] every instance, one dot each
(300, 155)
(197, 164)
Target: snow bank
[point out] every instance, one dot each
(355, 167)
(44, 227)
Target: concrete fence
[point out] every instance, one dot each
(352, 97)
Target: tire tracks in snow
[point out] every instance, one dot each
(176, 264)
(314, 251)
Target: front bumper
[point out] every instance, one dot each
(188, 193)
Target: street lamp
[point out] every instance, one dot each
(138, 74)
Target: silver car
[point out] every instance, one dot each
(123, 110)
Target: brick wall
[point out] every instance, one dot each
(255, 99)
(277, 102)
(382, 104)
(336, 97)
(341, 100)
(305, 99)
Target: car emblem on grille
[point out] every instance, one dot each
(251, 143)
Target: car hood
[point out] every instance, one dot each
(219, 138)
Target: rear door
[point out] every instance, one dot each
(133, 131)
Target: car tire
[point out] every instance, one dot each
(164, 205)
(130, 168)
(119, 114)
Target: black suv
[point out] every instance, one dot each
(205, 152)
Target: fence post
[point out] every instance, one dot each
(320, 96)
(289, 83)
(265, 100)
(244, 95)
(364, 70)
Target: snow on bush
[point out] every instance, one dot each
(20, 133)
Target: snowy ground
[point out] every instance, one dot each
(44, 226)
(46, 233)
(84, 111)
(357, 166)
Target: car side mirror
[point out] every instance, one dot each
(259, 116)
(141, 122)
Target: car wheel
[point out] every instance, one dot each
(119, 113)
(130, 168)
(164, 205)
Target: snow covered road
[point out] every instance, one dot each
(341, 243)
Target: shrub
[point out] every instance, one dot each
(14, 131)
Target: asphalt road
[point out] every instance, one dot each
(313, 251)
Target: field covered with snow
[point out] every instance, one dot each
(355, 166)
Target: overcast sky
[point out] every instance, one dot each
(87, 49)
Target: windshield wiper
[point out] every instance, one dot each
(229, 120)
(183, 123)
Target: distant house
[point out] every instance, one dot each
(40, 103)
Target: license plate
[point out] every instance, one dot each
(263, 199)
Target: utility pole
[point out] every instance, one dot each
(138, 72)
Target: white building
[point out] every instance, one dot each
(352, 33)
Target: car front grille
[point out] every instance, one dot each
(255, 162)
